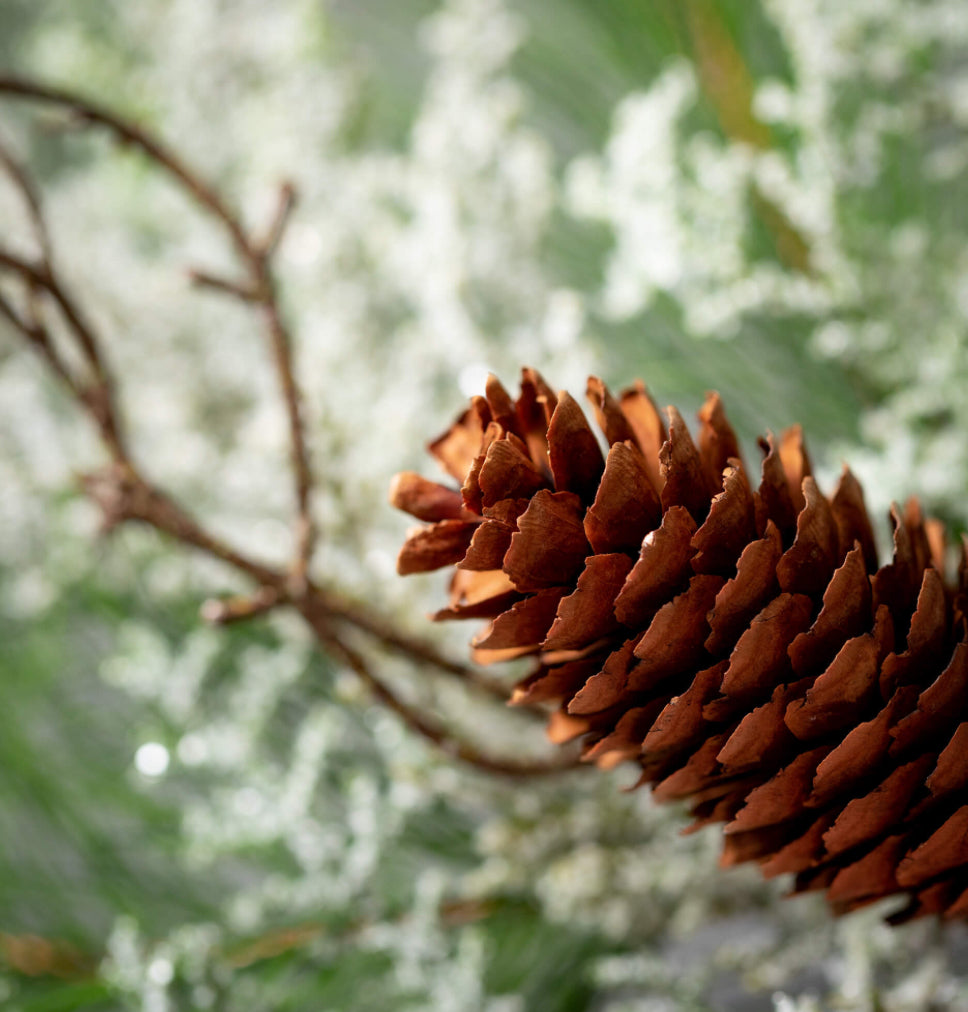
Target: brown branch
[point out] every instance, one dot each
(420, 722)
(203, 279)
(125, 495)
(254, 255)
(269, 242)
(37, 337)
(299, 452)
(87, 112)
(30, 196)
(222, 611)
(281, 343)
(26, 329)
(390, 636)
(98, 396)
(120, 490)
(41, 276)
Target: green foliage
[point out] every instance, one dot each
(484, 183)
(64, 873)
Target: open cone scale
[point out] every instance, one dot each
(728, 630)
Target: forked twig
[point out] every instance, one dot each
(427, 727)
(124, 493)
(203, 279)
(31, 198)
(97, 391)
(255, 256)
(269, 242)
(390, 636)
(35, 333)
(89, 113)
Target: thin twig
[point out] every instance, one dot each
(299, 452)
(392, 637)
(37, 337)
(125, 495)
(99, 394)
(121, 491)
(269, 242)
(255, 258)
(88, 112)
(225, 285)
(30, 196)
(7, 311)
(222, 611)
(423, 725)
(40, 276)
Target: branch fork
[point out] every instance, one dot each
(121, 489)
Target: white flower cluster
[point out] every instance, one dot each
(872, 116)
(412, 267)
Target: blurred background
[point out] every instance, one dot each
(765, 197)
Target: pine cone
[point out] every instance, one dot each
(739, 643)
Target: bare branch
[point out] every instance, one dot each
(30, 197)
(124, 494)
(40, 276)
(384, 632)
(90, 113)
(254, 256)
(228, 287)
(27, 329)
(425, 726)
(37, 337)
(222, 611)
(269, 242)
(281, 343)
(97, 397)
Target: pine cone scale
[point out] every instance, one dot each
(626, 506)
(740, 644)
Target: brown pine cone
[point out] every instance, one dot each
(739, 643)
